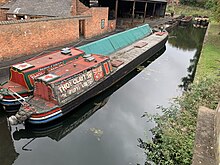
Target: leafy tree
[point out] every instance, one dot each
(210, 4)
(217, 11)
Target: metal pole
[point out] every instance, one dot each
(116, 9)
(133, 12)
(154, 9)
(145, 10)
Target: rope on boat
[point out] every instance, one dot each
(24, 113)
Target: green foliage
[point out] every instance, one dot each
(188, 2)
(174, 134)
(190, 10)
(209, 59)
(217, 12)
(210, 4)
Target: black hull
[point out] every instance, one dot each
(119, 74)
(185, 23)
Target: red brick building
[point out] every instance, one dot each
(32, 9)
(31, 26)
(23, 34)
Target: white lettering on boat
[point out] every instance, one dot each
(75, 85)
(41, 71)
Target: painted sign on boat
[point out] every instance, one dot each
(68, 89)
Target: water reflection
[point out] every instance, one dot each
(7, 149)
(186, 43)
(58, 129)
(187, 38)
(200, 33)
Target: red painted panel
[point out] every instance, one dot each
(106, 68)
(18, 78)
(110, 66)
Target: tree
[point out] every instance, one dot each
(217, 11)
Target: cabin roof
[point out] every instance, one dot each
(74, 67)
(45, 60)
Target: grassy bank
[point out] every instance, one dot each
(189, 10)
(209, 63)
(174, 134)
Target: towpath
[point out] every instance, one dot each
(204, 145)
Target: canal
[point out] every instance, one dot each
(105, 129)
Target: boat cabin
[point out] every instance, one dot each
(67, 82)
(24, 73)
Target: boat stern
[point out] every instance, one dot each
(12, 95)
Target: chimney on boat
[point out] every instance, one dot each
(66, 51)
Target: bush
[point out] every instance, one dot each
(210, 4)
(174, 133)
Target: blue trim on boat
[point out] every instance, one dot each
(9, 103)
(45, 120)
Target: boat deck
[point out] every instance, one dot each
(14, 86)
(41, 104)
(132, 51)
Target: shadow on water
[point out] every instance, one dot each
(60, 128)
(188, 38)
(7, 150)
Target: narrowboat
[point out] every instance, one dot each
(60, 91)
(21, 79)
(201, 22)
(186, 20)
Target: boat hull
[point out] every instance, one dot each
(185, 21)
(102, 86)
(12, 105)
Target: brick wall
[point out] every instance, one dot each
(3, 1)
(73, 12)
(28, 37)
(3, 15)
(81, 8)
(93, 25)
(24, 37)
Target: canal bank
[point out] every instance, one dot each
(206, 145)
(177, 126)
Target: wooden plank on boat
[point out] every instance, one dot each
(140, 44)
(160, 33)
(116, 63)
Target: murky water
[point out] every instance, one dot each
(105, 129)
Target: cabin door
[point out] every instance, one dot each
(82, 28)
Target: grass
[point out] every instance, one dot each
(209, 63)
(189, 10)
